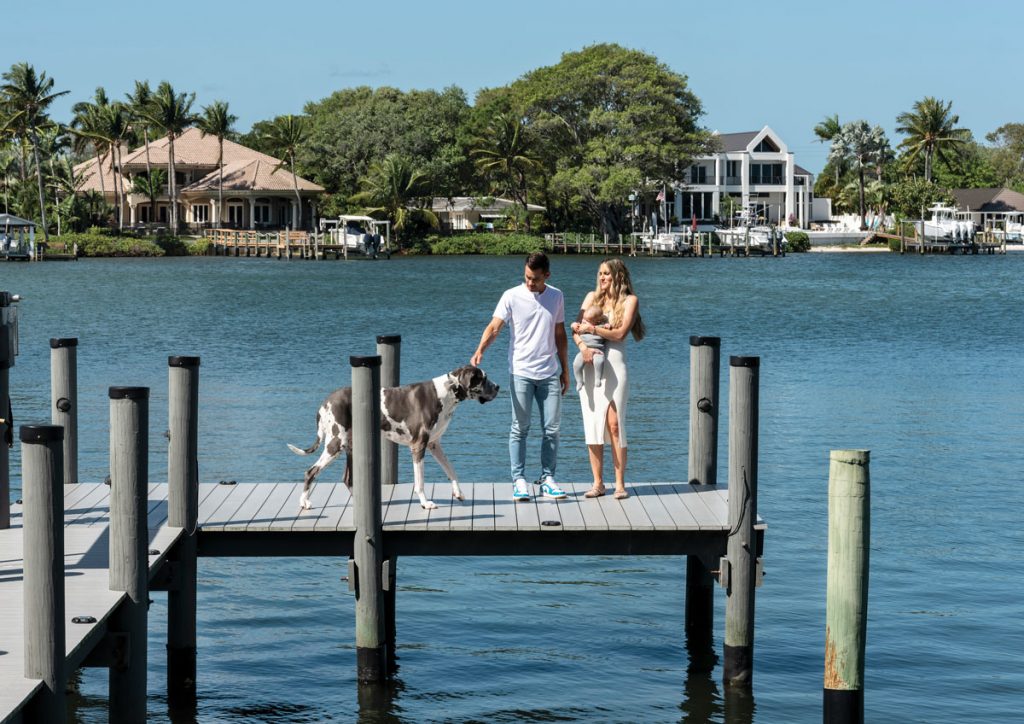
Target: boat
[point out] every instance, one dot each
(668, 242)
(746, 233)
(359, 234)
(944, 226)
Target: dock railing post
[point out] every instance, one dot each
(741, 555)
(846, 597)
(703, 470)
(43, 520)
(389, 348)
(64, 399)
(129, 537)
(182, 512)
(371, 659)
(7, 338)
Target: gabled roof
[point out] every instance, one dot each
(736, 142)
(250, 169)
(989, 200)
(455, 204)
(7, 220)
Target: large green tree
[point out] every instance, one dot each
(395, 189)
(505, 154)
(216, 120)
(171, 112)
(27, 98)
(283, 138)
(610, 120)
(1008, 154)
(931, 133)
(864, 147)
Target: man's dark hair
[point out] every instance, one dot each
(538, 261)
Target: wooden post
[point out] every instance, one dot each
(703, 470)
(846, 597)
(371, 663)
(741, 556)
(43, 521)
(389, 348)
(7, 337)
(129, 535)
(64, 399)
(183, 512)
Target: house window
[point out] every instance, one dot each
(200, 213)
(235, 214)
(263, 213)
(179, 179)
(732, 172)
(766, 146)
(766, 173)
(698, 174)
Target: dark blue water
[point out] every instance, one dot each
(916, 359)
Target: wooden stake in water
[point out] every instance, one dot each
(738, 664)
(846, 598)
(389, 348)
(183, 512)
(129, 537)
(64, 399)
(371, 660)
(43, 521)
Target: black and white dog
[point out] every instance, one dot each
(415, 415)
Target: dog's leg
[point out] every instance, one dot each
(325, 459)
(442, 460)
(417, 474)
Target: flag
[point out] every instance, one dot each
(661, 196)
(693, 222)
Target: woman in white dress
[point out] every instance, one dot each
(604, 405)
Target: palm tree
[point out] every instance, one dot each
(859, 142)
(506, 156)
(87, 126)
(171, 112)
(29, 97)
(827, 130)
(932, 133)
(283, 137)
(115, 127)
(139, 101)
(218, 121)
(392, 188)
(151, 185)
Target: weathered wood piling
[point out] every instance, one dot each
(846, 597)
(8, 348)
(64, 399)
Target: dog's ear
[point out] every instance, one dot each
(463, 381)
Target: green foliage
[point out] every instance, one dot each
(103, 244)
(797, 241)
(931, 134)
(910, 197)
(455, 245)
(1007, 155)
(496, 244)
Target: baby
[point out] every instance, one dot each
(594, 315)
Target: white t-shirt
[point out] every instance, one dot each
(531, 318)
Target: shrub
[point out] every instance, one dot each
(456, 245)
(797, 241)
(90, 244)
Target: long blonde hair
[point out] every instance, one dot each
(621, 286)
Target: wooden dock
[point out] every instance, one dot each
(281, 245)
(263, 519)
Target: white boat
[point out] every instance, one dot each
(756, 238)
(666, 242)
(358, 233)
(944, 226)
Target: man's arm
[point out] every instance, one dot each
(491, 332)
(563, 357)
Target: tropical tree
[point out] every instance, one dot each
(87, 127)
(505, 155)
(151, 186)
(393, 188)
(864, 146)
(217, 120)
(827, 130)
(283, 137)
(139, 101)
(171, 112)
(1008, 154)
(28, 97)
(931, 133)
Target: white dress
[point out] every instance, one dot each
(595, 400)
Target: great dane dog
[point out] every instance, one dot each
(415, 415)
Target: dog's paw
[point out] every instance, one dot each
(429, 505)
(304, 504)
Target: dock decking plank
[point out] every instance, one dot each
(217, 495)
(462, 511)
(397, 509)
(569, 509)
(280, 510)
(693, 497)
(655, 509)
(337, 503)
(676, 508)
(505, 514)
(613, 512)
(239, 507)
(483, 507)
(593, 512)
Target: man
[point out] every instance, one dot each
(538, 364)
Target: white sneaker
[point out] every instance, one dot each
(520, 491)
(549, 488)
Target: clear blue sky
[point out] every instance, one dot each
(786, 64)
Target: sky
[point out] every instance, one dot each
(786, 64)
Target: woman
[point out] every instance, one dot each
(604, 405)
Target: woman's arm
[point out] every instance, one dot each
(588, 354)
(617, 334)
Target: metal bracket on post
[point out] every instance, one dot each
(387, 575)
(353, 577)
(724, 572)
(758, 572)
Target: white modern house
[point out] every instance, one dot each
(757, 170)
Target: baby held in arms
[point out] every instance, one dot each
(593, 315)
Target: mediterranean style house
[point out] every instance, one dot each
(989, 207)
(258, 194)
(757, 170)
(461, 213)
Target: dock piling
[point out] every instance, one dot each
(64, 399)
(129, 536)
(183, 512)
(846, 597)
(8, 337)
(43, 574)
(371, 658)
(389, 349)
(741, 552)
(703, 470)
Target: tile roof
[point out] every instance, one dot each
(989, 200)
(251, 175)
(736, 141)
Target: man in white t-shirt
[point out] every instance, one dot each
(538, 364)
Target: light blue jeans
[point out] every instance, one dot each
(548, 395)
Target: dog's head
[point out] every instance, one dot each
(472, 383)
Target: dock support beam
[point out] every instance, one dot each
(846, 597)
(183, 512)
(43, 520)
(64, 399)
(703, 470)
(129, 537)
(389, 348)
(7, 339)
(371, 655)
(741, 552)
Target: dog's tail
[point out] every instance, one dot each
(311, 449)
